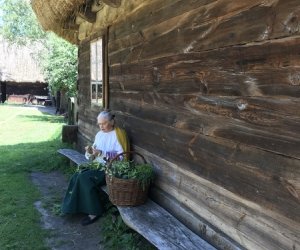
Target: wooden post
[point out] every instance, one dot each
(3, 92)
(69, 133)
(106, 71)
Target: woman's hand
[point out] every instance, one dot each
(93, 151)
(97, 152)
(89, 149)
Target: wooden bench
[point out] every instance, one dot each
(48, 102)
(152, 221)
(73, 155)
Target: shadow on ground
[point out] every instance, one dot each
(65, 232)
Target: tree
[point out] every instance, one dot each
(19, 24)
(60, 64)
(57, 57)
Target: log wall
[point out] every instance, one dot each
(23, 88)
(209, 91)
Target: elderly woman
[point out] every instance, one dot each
(83, 194)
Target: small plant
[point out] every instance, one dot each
(117, 235)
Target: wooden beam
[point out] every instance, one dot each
(87, 14)
(112, 3)
(89, 17)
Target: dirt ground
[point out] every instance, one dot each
(65, 232)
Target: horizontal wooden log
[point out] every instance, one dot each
(240, 224)
(267, 179)
(156, 12)
(231, 214)
(214, 126)
(268, 109)
(257, 70)
(231, 25)
(156, 23)
(255, 127)
(194, 221)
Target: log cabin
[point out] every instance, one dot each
(20, 74)
(208, 92)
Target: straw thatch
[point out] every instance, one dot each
(74, 20)
(53, 14)
(17, 63)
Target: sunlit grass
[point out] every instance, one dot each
(29, 140)
(23, 125)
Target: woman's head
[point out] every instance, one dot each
(106, 121)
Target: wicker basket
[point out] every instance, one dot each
(126, 192)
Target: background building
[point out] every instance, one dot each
(20, 75)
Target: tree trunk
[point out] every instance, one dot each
(63, 102)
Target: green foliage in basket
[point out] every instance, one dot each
(129, 170)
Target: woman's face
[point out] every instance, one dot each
(105, 125)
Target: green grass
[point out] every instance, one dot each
(28, 142)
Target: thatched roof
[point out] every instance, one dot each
(17, 63)
(74, 20)
(53, 15)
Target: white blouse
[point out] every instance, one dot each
(108, 143)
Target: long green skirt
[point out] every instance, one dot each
(84, 194)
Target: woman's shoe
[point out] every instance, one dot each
(87, 220)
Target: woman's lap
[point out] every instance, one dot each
(83, 193)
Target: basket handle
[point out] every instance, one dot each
(127, 153)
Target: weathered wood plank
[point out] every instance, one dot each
(231, 213)
(250, 22)
(194, 221)
(260, 69)
(268, 179)
(87, 127)
(238, 220)
(157, 17)
(227, 106)
(287, 18)
(73, 155)
(156, 12)
(163, 127)
(259, 128)
(160, 228)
